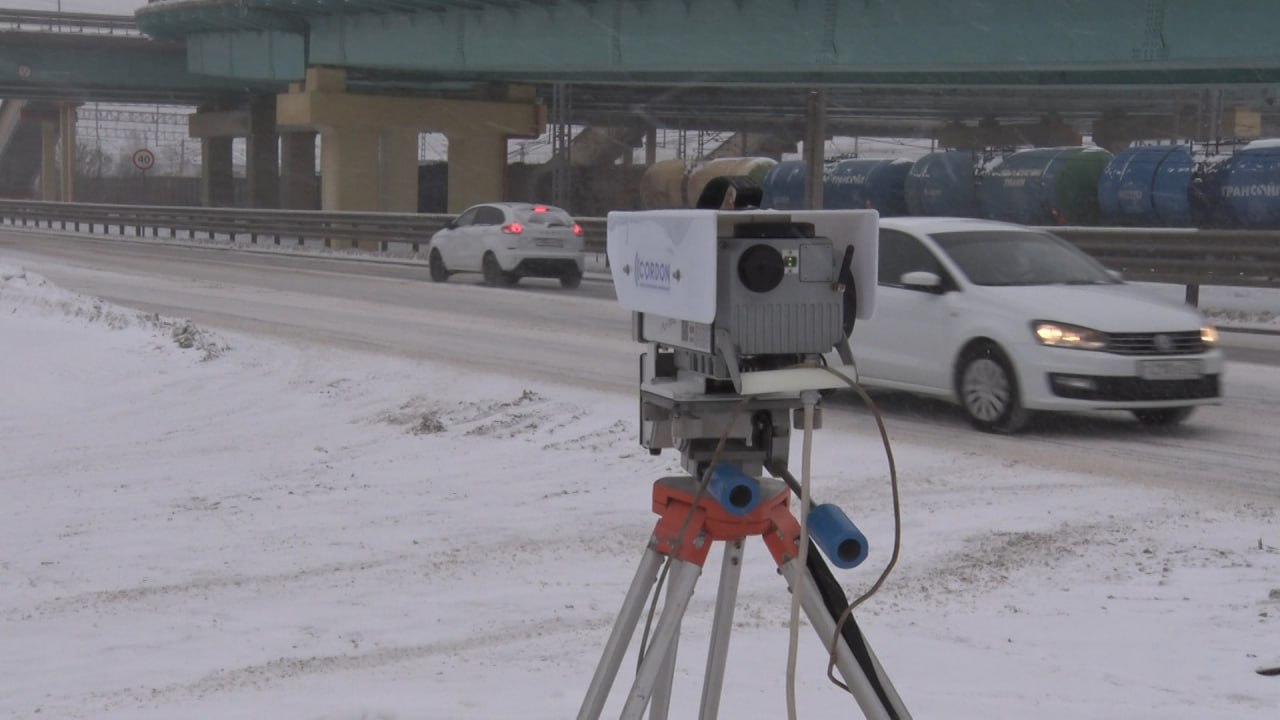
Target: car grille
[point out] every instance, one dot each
(1172, 343)
(1130, 389)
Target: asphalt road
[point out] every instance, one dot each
(539, 331)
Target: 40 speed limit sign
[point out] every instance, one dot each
(144, 159)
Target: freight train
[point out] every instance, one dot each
(1174, 185)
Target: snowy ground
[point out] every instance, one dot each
(245, 528)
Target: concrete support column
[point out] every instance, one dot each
(48, 161)
(369, 153)
(299, 186)
(216, 185)
(477, 168)
(369, 170)
(263, 154)
(815, 142)
(67, 136)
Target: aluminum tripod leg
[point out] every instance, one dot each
(661, 702)
(717, 655)
(623, 629)
(682, 578)
(859, 685)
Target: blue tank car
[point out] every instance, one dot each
(943, 184)
(1150, 186)
(783, 186)
(1247, 187)
(867, 185)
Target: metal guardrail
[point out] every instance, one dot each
(1176, 256)
(59, 22)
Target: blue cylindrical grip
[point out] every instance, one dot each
(736, 491)
(841, 541)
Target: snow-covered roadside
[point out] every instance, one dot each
(298, 532)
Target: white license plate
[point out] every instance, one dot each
(550, 242)
(1170, 370)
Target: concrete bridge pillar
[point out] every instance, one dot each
(369, 149)
(216, 185)
(262, 152)
(369, 170)
(216, 129)
(67, 137)
(299, 186)
(49, 180)
(477, 168)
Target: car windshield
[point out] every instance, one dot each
(1012, 257)
(543, 215)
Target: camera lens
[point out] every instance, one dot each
(761, 268)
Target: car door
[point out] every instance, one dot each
(906, 342)
(450, 242)
(485, 233)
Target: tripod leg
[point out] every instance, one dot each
(726, 599)
(873, 705)
(682, 578)
(661, 702)
(623, 629)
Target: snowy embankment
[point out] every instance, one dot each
(243, 528)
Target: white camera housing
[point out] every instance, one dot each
(740, 294)
(665, 262)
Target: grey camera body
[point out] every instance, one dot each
(800, 315)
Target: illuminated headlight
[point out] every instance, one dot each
(1068, 336)
(1209, 335)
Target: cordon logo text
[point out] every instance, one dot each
(653, 274)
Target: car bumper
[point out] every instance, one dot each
(1061, 379)
(543, 263)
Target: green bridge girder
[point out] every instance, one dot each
(746, 42)
(41, 65)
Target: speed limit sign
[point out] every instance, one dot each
(144, 159)
(24, 71)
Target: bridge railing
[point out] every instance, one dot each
(1175, 256)
(58, 22)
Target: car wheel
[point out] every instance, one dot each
(493, 273)
(571, 280)
(1163, 417)
(988, 390)
(439, 272)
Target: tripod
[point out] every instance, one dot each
(688, 524)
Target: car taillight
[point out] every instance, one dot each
(514, 228)
(539, 208)
(577, 229)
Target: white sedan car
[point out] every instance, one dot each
(507, 241)
(1006, 320)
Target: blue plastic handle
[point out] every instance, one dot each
(840, 540)
(736, 491)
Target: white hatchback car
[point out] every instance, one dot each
(1006, 319)
(508, 241)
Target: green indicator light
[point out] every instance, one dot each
(792, 261)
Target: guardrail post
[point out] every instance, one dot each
(1193, 295)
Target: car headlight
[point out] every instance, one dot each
(1208, 335)
(1062, 335)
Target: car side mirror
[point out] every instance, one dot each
(451, 225)
(923, 280)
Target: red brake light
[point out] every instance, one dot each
(514, 228)
(539, 208)
(577, 229)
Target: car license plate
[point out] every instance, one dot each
(1170, 370)
(550, 242)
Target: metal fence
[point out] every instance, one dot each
(1177, 256)
(60, 22)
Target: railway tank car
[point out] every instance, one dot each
(1152, 186)
(1045, 186)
